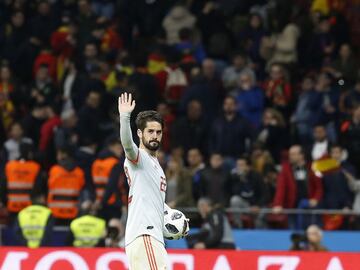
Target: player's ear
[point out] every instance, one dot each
(139, 133)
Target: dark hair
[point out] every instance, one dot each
(148, 116)
(26, 150)
(246, 158)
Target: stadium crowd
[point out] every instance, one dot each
(261, 102)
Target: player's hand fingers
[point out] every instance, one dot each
(133, 104)
(130, 98)
(126, 97)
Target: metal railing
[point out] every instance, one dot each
(292, 211)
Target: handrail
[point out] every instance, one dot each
(291, 211)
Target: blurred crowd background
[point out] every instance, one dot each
(261, 101)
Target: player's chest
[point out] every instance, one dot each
(157, 174)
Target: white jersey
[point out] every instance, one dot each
(147, 184)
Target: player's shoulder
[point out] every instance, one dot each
(140, 157)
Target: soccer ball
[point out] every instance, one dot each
(176, 225)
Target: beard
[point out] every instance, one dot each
(151, 145)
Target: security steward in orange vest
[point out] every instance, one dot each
(109, 181)
(23, 179)
(66, 182)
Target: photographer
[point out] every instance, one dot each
(309, 242)
(215, 232)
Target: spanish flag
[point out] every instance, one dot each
(325, 165)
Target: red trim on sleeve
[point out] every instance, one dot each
(136, 160)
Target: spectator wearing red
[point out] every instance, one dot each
(169, 119)
(46, 145)
(297, 182)
(277, 89)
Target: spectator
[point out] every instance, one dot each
(329, 104)
(196, 166)
(87, 231)
(354, 185)
(16, 137)
(206, 87)
(350, 137)
(7, 112)
(179, 185)
(230, 76)
(298, 186)
(351, 100)
(178, 18)
(322, 45)
(307, 108)
(43, 89)
(215, 232)
(172, 81)
(86, 21)
(246, 188)
(73, 86)
(230, 134)
(65, 184)
(22, 180)
(109, 180)
(90, 116)
(33, 121)
(34, 225)
(188, 47)
(15, 34)
(47, 131)
(66, 133)
(250, 38)
(43, 23)
(282, 47)
(190, 130)
(260, 158)
(169, 119)
(314, 235)
(336, 192)
(321, 143)
(214, 181)
(273, 134)
(278, 90)
(345, 66)
(250, 99)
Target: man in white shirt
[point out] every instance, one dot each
(144, 241)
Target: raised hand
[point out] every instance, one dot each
(126, 103)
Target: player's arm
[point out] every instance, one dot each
(126, 106)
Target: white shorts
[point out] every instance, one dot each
(146, 253)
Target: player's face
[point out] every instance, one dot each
(152, 135)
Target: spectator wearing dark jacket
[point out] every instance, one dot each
(90, 116)
(246, 187)
(206, 88)
(329, 104)
(337, 194)
(214, 181)
(190, 131)
(297, 185)
(273, 134)
(229, 133)
(307, 107)
(215, 232)
(350, 137)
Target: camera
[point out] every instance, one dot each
(299, 241)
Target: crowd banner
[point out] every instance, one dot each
(115, 259)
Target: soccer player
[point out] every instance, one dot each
(144, 241)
